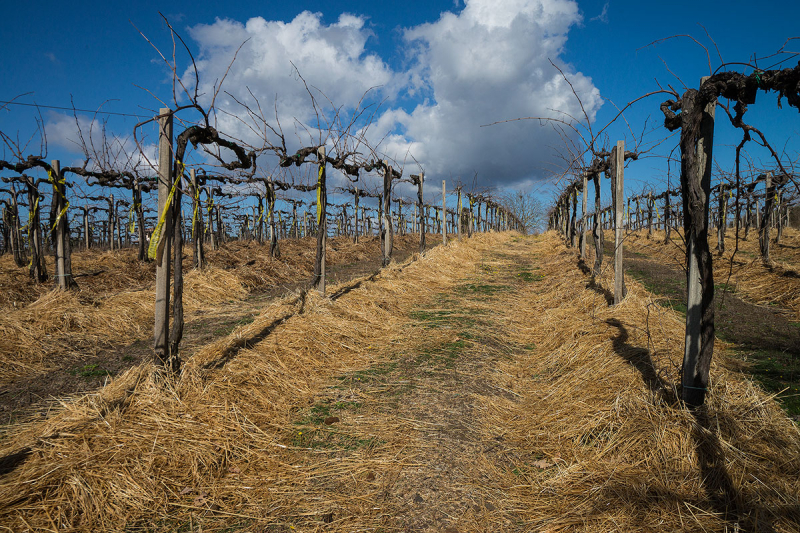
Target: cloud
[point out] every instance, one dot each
(52, 57)
(603, 16)
(331, 58)
(112, 152)
(492, 62)
(488, 62)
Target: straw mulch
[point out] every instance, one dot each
(546, 411)
(42, 329)
(617, 451)
(777, 284)
(67, 326)
(216, 445)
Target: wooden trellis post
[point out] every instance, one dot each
(618, 191)
(64, 278)
(164, 253)
(322, 224)
(444, 213)
(696, 159)
(584, 204)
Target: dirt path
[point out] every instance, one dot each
(439, 385)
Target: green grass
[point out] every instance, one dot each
(440, 318)
(227, 327)
(670, 290)
(371, 374)
(329, 439)
(90, 371)
(776, 372)
(723, 287)
(481, 288)
(446, 354)
(525, 274)
(310, 430)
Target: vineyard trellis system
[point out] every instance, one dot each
(161, 237)
(759, 209)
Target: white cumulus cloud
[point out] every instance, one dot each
(489, 61)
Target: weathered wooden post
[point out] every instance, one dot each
(766, 218)
(163, 244)
(444, 213)
(64, 278)
(696, 159)
(388, 231)
(618, 192)
(199, 255)
(597, 229)
(322, 223)
(584, 204)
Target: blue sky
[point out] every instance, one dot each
(445, 69)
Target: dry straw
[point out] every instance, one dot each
(42, 329)
(745, 272)
(147, 452)
(585, 435)
(599, 404)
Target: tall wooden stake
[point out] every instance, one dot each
(584, 205)
(444, 213)
(163, 260)
(696, 158)
(618, 190)
(64, 278)
(322, 224)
